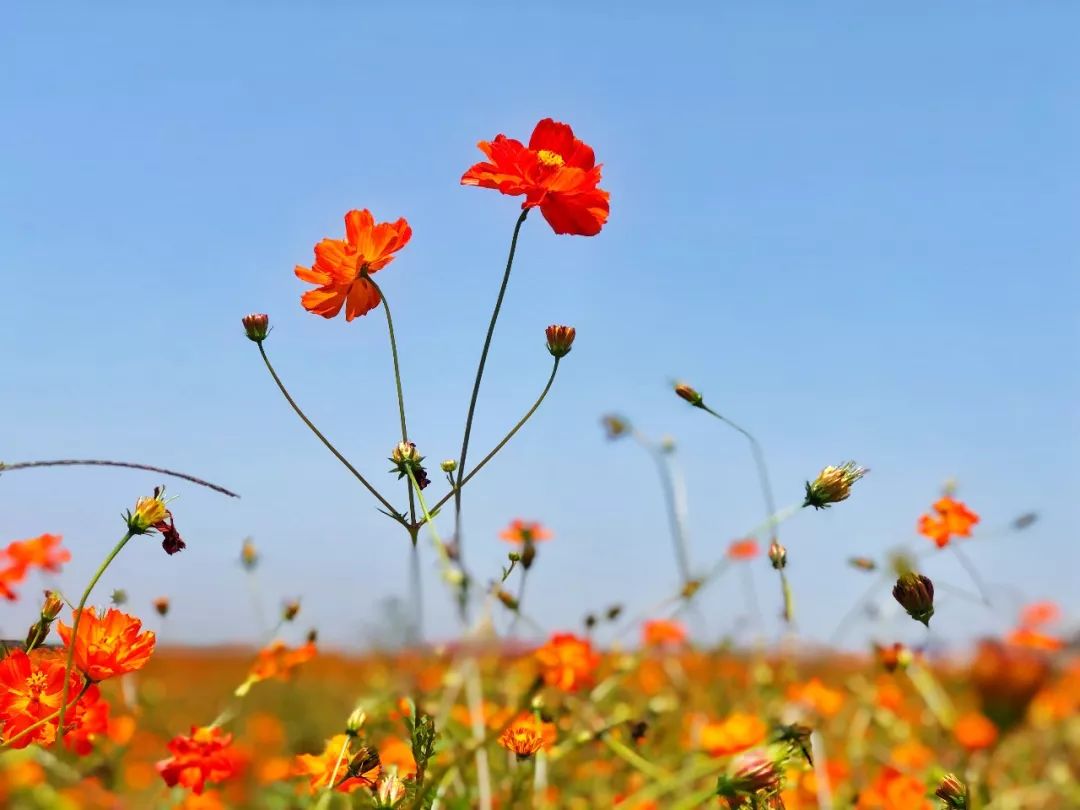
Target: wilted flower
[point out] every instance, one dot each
(407, 459)
(833, 484)
(256, 326)
(560, 339)
(953, 792)
(915, 593)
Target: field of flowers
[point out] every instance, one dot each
(624, 710)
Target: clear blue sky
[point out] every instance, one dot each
(854, 229)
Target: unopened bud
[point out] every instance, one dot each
(590, 621)
(389, 791)
(689, 588)
(312, 636)
(528, 554)
(862, 563)
(833, 484)
(560, 339)
(752, 773)
(614, 612)
(615, 426)
(953, 792)
(777, 555)
(915, 593)
(118, 597)
(256, 326)
(355, 721)
(52, 606)
(448, 465)
(161, 605)
(507, 599)
(689, 394)
(290, 610)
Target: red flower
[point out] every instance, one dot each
(341, 267)
(202, 757)
(108, 646)
(31, 691)
(556, 172)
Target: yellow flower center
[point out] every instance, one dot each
(549, 158)
(35, 684)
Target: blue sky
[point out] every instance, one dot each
(854, 230)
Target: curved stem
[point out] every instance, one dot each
(74, 637)
(479, 377)
(281, 387)
(75, 462)
(520, 424)
(397, 383)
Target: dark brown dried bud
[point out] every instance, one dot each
(614, 612)
(915, 593)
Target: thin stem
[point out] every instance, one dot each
(74, 637)
(635, 759)
(520, 596)
(281, 387)
(337, 766)
(520, 424)
(479, 377)
(417, 588)
(72, 462)
(973, 573)
(678, 535)
(397, 383)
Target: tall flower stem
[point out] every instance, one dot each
(520, 596)
(288, 398)
(75, 462)
(678, 532)
(480, 377)
(74, 638)
(520, 424)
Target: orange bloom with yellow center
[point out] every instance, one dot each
(276, 660)
(567, 662)
(662, 632)
(556, 172)
(743, 549)
(524, 531)
(332, 765)
(815, 695)
(952, 519)
(112, 645)
(341, 266)
(737, 732)
(522, 738)
(31, 691)
(43, 552)
(975, 732)
(202, 757)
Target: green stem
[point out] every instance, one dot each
(74, 637)
(520, 424)
(636, 760)
(479, 377)
(288, 398)
(72, 462)
(520, 596)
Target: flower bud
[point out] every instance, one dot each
(590, 621)
(448, 465)
(161, 605)
(833, 484)
(915, 593)
(953, 792)
(560, 339)
(777, 555)
(290, 610)
(118, 597)
(52, 606)
(528, 554)
(256, 326)
(862, 563)
(389, 791)
(249, 557)
(507, 599)
(615, 426)
(614, 612)
(689, 394)
(355, 721)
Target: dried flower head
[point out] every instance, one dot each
(256, 326)
(560, 339)
(833, 484)
(915, 593)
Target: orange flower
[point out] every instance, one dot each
(1034, 640)
(737, 732)
(108, 646)
(975, 732)
(567, 662)
(341, 266)
(524, 531)
(743, 549)
(91, 722)
(278, 661)
(397, 753)
(11, 575)
(817, 696)
(32, 686)
(660, 632)
(320, 768)
(43, 551)
(202, 757)
(556, 172)
(522, 738)
(953, 519)
(1039, 613)
(892, 790)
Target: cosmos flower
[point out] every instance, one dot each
(198, 758)
(32, 691)
(743, 549)
(951, 519)
(524, 531)
(110, 645)
(567, 662)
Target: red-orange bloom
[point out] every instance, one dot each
(9, 576)
(556, 172)
(661, 632)
(567, 662)
(31, 691)
(91, 721)
(893, 790)
(815, 695)
(974, 731)
(524, 531)
(332, 764)
(202, 757)
(341, 266)
(43, 551)
(737, 732)
(278, 661)
(112, 645)
(743, 549)
(953, 519)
